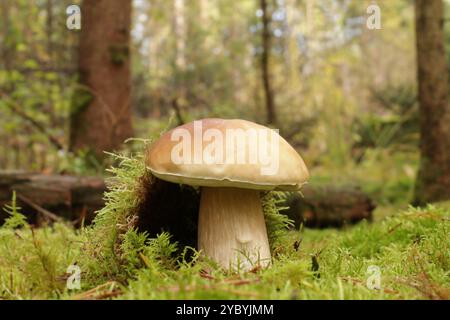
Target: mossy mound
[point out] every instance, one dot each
(140, 208)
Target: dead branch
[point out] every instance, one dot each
(39, 209)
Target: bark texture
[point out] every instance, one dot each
(67, 197)
(101, 107)
(433, 180)
(265, 65)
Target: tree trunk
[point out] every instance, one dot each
(266, 44)
(101, 107)
(433, 180)
(179, 28)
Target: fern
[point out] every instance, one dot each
(162, 250)
(277, 223)
(15, 219)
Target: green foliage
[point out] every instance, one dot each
(387, 175)
(334, 96)
(112, 223)
(404, 247)
(33, 262)
(398, 123)
(411, 249)
(15, 218)
(37, 75)
(138, 251)
(81, 162)
(162, 250)
(81, 98)
(277, 223)
(333, 104)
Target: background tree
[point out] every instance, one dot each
(266, 18)
(345, 96)
(101, 107)
(433, 180)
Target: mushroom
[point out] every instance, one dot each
(232, 161)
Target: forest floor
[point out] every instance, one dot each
(409, 251)
(403, 254)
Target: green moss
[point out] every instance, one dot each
(34, 261)
(114, 233)
(105, 255)
(411, 249)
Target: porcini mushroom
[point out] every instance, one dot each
(232, 161)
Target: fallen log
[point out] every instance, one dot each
(329, 206)
(52, 196)
(74, 198)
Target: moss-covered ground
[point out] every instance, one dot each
(408, 250)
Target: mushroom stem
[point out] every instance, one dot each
(231, 227)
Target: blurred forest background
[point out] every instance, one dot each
(345, 96)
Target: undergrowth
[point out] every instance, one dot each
(114, 247)
(117, 261)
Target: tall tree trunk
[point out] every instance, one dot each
(101, 108)
(179, 28)
(433, 181)
(266, 43)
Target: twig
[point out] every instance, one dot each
(206, 275)
(360, 282)
(391, 229)
(99, 292)
(81, 218)
(38, 208)
(426, 288)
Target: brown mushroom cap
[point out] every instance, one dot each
(290, 175)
